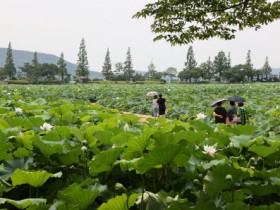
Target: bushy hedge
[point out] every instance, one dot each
(18, 82)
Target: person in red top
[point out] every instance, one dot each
(161, 105)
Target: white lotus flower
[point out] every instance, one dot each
(146, 195)
(126, 127)
(209, 150)
(18, 110)
(229, 177)
(46, 127)
(84, 148)
(232, 144)
(216, 129)
(201, 116)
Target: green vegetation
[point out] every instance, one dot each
(60, 151)
(182, 22)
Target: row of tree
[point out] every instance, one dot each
(34, 71)
(219, 69)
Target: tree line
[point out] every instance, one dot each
(219, 69)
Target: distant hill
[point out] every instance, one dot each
(21, 57)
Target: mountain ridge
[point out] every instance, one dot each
(22, 56)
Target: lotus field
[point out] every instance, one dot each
(60, 151)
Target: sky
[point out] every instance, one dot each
(56, 26)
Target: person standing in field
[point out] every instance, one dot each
(155, 107)
(161, 105)
(220, 113)
(231, 112)
(242, 114)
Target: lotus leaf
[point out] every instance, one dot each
(33, 178)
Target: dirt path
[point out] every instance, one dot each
(143, 118)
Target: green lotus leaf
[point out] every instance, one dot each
(63, 131)
(33, 178)
(26, 123)
(77, 133)
(212, 163)
(109, 125)
(237, 205)
(162, 139)
(201, 204)
(128, 165)
(200, 126)
(9, 166)
(48, 148)
(136, 146)
(61, 110)
(242, 140)
(121, 139)
(102, 116)
(150, 201)
(129, 118)
(158, 157)
(3, 110)
(22, 152)
(51, 136)
(262, 189)
(3, 124)
(121, 202)
(275, 180)
(269, 174)
(76, 196)
(86, 118)
(26, 140)
(59, 205)
(104, 137)
(4, 152)
(89, 137)
(216, 180)
(246, 129)
(69, 117)
(36, 121)
(39, 101)
(263, 151)
(23, 204)
(69, 157)
(104, 160)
